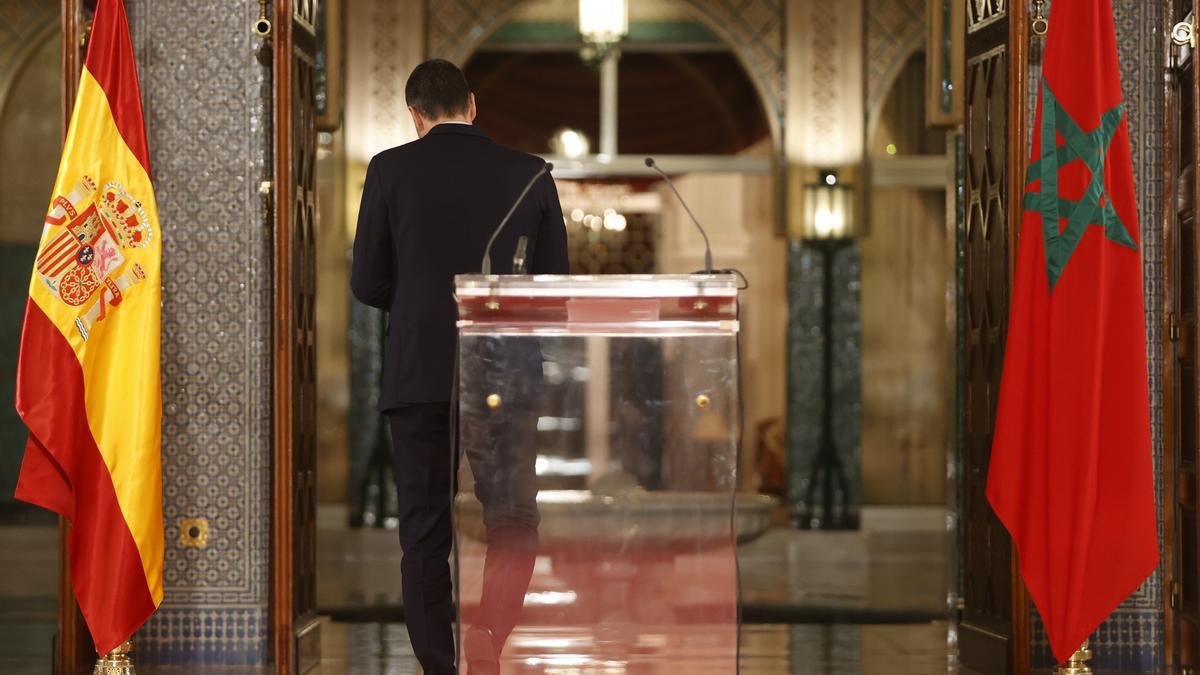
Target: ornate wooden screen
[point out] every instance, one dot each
(1180, 395)
(993, 630)
(296, 648)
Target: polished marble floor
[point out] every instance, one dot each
(871, 601)
(894, 569)
(766, 649)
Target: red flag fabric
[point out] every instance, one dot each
(1071, 469)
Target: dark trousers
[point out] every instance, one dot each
(421, 438)
(502, 451)
(503, 461)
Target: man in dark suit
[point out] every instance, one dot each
(428, 210)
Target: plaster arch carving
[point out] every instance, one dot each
(896, 29)
(754, 34)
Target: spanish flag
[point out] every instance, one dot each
(88, 374)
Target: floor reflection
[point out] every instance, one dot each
(813, 602)
(893, 570)
(769, 649)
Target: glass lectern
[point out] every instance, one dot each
(598, 428)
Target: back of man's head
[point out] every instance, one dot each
(437, 89)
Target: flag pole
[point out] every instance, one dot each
(1077, 665)
(117, 662)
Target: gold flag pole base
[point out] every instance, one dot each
(1077, 664)
(116, 662)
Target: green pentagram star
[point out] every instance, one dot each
(1094, 208)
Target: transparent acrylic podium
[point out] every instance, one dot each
(598, 438)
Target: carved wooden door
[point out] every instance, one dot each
(993, 621)
(74, 651)
(1180, 377)
(296, 645)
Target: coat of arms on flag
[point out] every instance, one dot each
(80, 262)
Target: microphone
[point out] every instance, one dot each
(707, 249)
(519, 257)
(487, 251)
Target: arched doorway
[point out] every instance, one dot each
(500, 64)
(732, 183)
(522, 59)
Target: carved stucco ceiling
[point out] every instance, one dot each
(698, 103)
(752, 29)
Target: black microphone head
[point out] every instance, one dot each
(549, 167)
(650, 162)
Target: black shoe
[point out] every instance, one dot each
(480, 651)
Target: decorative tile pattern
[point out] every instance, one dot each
(207, 163)
(1131, 640)
(823, 108)
(388, 107)
(198, 635)
(825, 81)
(754, 29)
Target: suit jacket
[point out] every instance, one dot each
(428, 210)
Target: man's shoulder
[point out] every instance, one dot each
(427, 149)
(395, 154)
(517, 157)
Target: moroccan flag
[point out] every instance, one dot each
(88, 375)
(1071, 475)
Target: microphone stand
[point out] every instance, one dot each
(667, 179)
(486, 266)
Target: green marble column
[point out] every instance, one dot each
(806, 363)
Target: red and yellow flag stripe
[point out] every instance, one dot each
(88, 382)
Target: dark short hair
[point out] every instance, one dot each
(437, 88)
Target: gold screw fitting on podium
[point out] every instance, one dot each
(116, 662)
(1077, 665)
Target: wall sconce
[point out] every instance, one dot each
(828, 210)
